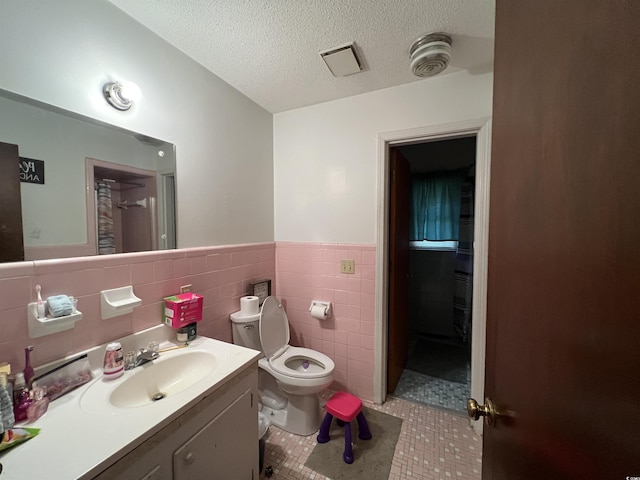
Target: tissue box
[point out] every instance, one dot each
(183, 309)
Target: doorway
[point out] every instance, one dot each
(439, 292)
(11, 236)
(384, 327)
(122, 207)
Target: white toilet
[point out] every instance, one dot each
(289, 378)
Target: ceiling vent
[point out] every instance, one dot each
(342, 60)
(430, 54)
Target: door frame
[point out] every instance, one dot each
(481, 127)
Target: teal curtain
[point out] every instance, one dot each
(435, 206)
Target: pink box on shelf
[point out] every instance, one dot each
(181, 310)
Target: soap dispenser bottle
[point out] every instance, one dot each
(21, 399)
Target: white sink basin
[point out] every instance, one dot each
(154, 382)
(160, 379)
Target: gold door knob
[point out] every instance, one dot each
(488, 410)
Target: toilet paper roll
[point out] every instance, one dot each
(319, 312)
(249, 305)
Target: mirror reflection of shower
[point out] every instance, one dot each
(126, 209)
(138, 203)
(167, 209)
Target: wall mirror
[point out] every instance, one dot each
(86, 187)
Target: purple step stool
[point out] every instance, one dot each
(345, 407)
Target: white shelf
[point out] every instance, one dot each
(39, 327)
(118, 301)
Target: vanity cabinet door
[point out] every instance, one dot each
(225, 448)
(153, 474)
(143, 463)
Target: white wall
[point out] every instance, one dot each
(62, 53)
(325, 155)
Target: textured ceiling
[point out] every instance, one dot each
(268, 49)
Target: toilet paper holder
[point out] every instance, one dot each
(324, 305)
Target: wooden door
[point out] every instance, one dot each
(563, 329)
(399, 211)
(11, 240)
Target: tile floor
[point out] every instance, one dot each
(434, 386)
(433, 445)
(416, 387)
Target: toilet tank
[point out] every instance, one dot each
(246, 330)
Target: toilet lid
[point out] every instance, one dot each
(274, 327)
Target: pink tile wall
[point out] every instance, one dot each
(311, 271)
(221, 274)
(305, 272)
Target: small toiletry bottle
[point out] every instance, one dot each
(113, 365)
(7, 418)
(28, 369)
(21, 398)
(18, 385)
(182, 334)
(39, 404)
(192, 331)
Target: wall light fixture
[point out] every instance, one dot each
(120, 95)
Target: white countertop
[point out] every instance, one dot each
(76, 442)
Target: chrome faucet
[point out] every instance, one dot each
(145, 356)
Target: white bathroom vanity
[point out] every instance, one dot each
(206, 426)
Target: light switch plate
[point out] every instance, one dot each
(347, 266)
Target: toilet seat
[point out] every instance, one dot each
(275, 336)
(317, 359)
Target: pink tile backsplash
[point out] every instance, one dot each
(14, 292)
(311, 271)
(300, 272)
(221, 274)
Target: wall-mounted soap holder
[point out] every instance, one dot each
(39, 327)
(118, 301)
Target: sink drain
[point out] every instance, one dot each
(157, 396)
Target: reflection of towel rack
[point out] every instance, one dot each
(119, 182)
(140, 203)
